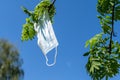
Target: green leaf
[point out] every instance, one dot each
(96, 67)
(87, 43)
(96, 63)
(106, 29)
(100, 17)
(92, 69)
(112, 3)
(93, 40)
(86, 54)
(26, 11)
(108, 17)
(95, 59)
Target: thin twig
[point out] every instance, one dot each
(51, 5)
(112, 31)
(53, 2)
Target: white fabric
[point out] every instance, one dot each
(46, 37)
(54, 59)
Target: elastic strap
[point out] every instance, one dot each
(54, 58)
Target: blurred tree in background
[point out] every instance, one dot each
(10, 62)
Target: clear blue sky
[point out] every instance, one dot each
(74, 23)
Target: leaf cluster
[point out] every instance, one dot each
(105, 6)
(104, 53)
(106, 22)
(28, 32)
(105, 9)
(100, 63)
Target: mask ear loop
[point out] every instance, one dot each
(54, 58)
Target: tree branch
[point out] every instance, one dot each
(112, 31)
(53, 2)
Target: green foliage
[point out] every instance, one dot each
(104, 53)
(103, 6)
(105, 22)
(93, 40)
(117, 11)
(100, 62)
(28, 31)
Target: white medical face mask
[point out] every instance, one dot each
(46, 37)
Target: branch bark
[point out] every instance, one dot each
(112, 31)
